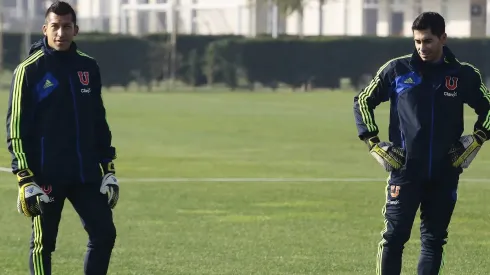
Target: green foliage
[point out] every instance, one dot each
(315, 61)
(191, 54)
(122, 59)
(323, 61)
(193, 72)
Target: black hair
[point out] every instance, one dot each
(430, 20)
(61, 8)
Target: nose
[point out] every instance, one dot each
(59, 32)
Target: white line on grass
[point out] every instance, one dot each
(279, 180)
(230, 180)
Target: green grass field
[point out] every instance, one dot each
(247, 227)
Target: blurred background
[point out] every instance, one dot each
(237, 146)
(247, 43)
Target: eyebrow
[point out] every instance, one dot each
(58, 23)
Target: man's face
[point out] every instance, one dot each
(60, 30)
(428, 45)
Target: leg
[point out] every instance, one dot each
(399, 212)
(436, 209)
(96, 217)
(45, 231)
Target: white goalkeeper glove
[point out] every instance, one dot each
(30, 196)
(109, 185)
(388, 156)
(465, 150)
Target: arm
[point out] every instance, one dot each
(476, 95)
(378, 90)
(17, 120)
(478, 98)
(368, 99)
(107, 153)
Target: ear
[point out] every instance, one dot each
(443, 38)
(76, 30)
(44, 29)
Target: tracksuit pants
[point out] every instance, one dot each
(437, 198)
(96, 218)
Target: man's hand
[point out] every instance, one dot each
(110, 186)
(390, 157)
(465, 150)
(30, 195)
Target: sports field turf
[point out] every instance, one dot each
(247, 226)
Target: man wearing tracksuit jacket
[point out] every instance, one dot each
(60, 144)
(426, 152)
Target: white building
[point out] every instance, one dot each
(464, 18)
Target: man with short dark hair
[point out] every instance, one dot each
(60, 142)
(426, 152)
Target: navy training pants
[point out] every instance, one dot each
(96, 218)
(437, 199)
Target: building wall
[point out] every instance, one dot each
(252, 17)
(478, 16)
(339, 18)
(459, 22)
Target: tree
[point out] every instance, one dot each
(289, 6)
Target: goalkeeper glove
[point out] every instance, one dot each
(388, 156)
(109, 185)
(30, 195)
(465, 150)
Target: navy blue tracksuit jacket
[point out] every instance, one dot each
(426, 119)
(426, 107)
(56, 124)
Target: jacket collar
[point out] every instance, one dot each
(449, 61)
(43, 44)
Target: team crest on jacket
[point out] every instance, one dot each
(84, 78)
(47, 189)
(451, 83)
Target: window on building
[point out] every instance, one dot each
(194, 19)
(370, 21)
(396, 26)
(371, 4)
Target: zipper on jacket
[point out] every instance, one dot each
(42, 154)
(431, 141)
(78, 130)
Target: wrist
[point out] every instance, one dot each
(108, 167)
(25, 176)
(480, 135)
(371, 141)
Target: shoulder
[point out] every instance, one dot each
(87, 59)
(29, 61)
(394, 64)
(470, 70)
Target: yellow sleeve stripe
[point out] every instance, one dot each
(368, 91)
(84, 54)
(484, 90)
(17, 110)
(363, 106)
